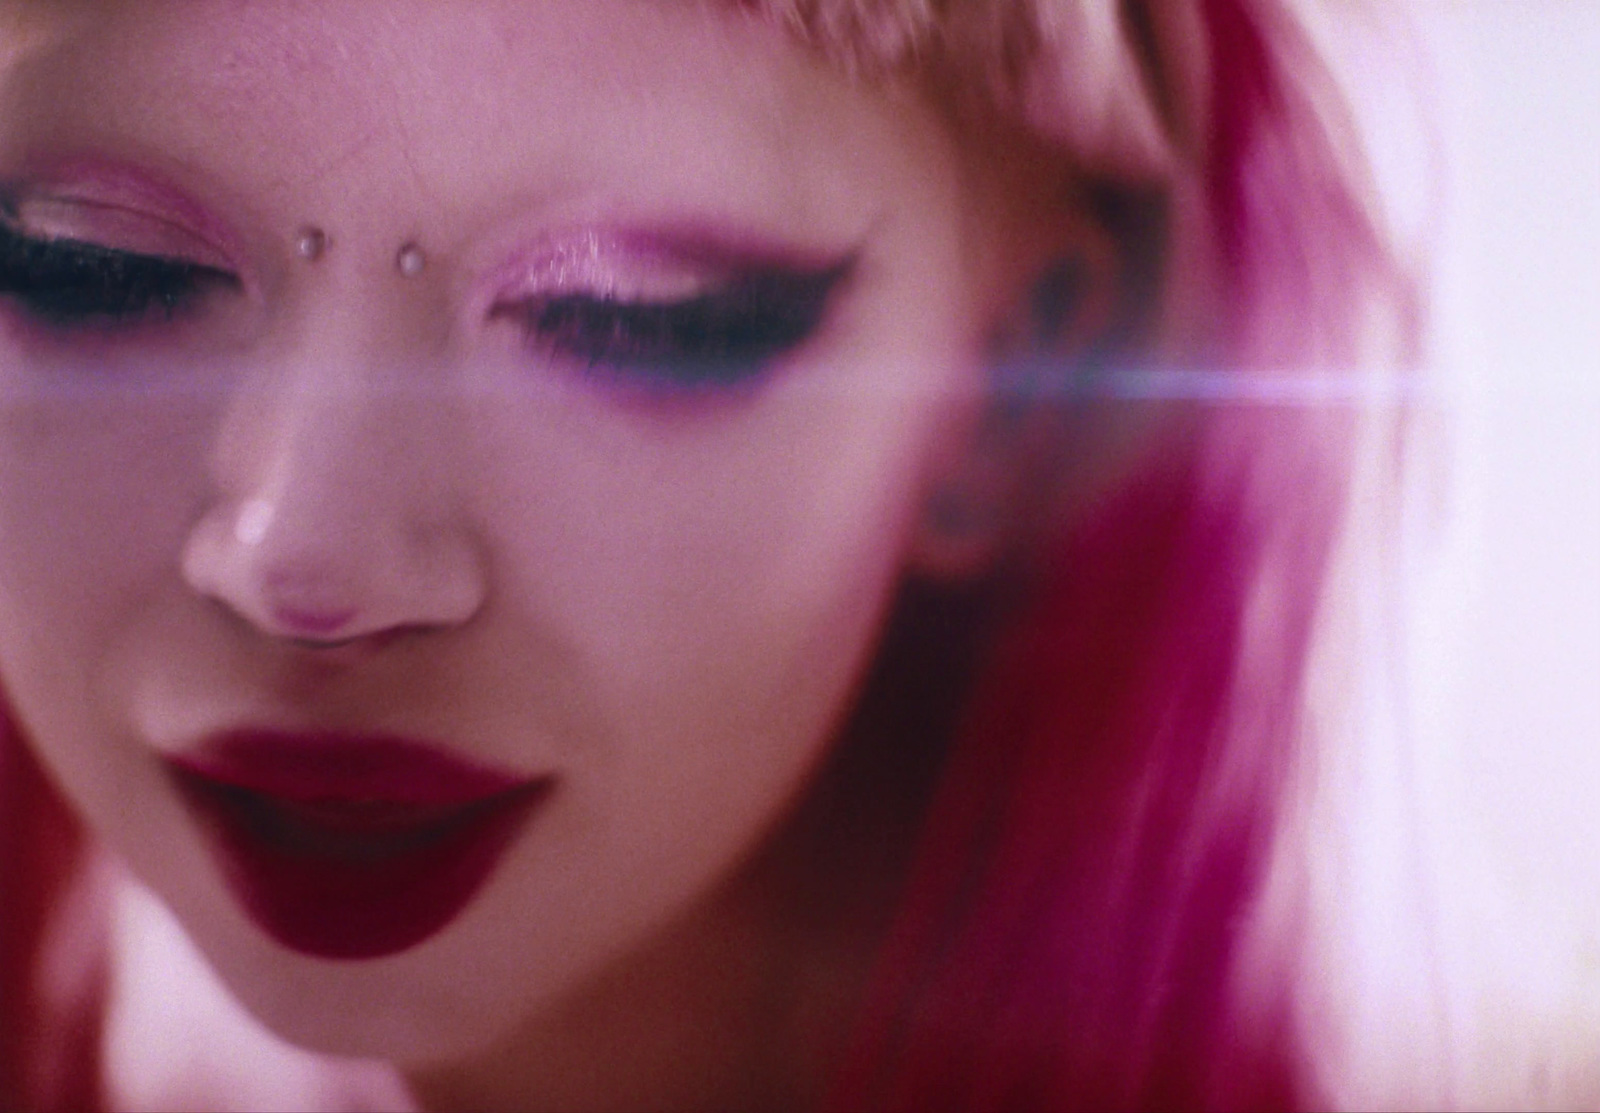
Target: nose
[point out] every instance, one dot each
(332, 518)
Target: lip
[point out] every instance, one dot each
(351, 847)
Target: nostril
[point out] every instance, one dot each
(320, 627)
(303, 598)
(351, 647)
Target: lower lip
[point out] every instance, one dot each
(351, 849)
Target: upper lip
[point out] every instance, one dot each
(337, 769)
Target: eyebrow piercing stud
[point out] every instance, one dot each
(311, 243)
(411, 261)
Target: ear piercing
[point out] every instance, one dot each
(411, 261)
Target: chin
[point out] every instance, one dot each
(403, 1012)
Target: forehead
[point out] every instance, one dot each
(299, 97)
(230, 44)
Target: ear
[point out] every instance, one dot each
(988, 488)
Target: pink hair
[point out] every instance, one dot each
(1083, 925)
(52, 963)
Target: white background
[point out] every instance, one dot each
(1505, 642)
(1517, 336)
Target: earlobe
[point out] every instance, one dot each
(962, 529)
(985, 489)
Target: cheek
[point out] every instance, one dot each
(701, 579)
(95, 495)
(712, 587)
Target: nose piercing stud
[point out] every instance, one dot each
(411, 261)
(311, 243)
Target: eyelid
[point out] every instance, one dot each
(662, 261)
(723, 341)
(114, 227)
(592, 264)
(79, 249)
(72, 285)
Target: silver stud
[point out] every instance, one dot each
(411, 261)
(311, 243)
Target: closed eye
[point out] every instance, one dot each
(722, 338)
(67, 283)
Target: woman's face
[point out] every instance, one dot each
(431, 627)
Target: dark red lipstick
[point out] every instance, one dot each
(351, 847)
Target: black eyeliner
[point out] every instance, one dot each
(68, 282)
(721, 338)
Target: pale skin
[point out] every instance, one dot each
(664, 601)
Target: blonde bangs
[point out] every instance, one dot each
(1115, 83)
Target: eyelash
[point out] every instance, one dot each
(720, 339)
(68, 283)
